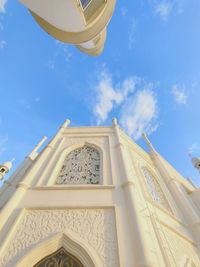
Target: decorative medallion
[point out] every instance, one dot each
(81, 166)
(60, 258)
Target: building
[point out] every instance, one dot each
(94, 198)
(79, 22)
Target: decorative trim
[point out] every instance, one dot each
(75, 187)
(7, 182)
(177, 232)
(149, 199)
(22, 185)
(128, 183)
(119, 145)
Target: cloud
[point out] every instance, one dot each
(3, 141)
(133, 99)
(193, 148)
(2, 44)
(123, 11)
(2, 6)
(28, 104)
(110, 95)
(65, 48)
(132, 33)
(140, 112)
(51, 64)
(163, 9)
(179, 94)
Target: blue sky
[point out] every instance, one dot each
(148, 77)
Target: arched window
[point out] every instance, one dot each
(60, 258)
(155, 189)
(81, 166)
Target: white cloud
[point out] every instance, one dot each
(2, 5)
(131, 33)
(133, 99)
(193, 148)
(3, 141)
(179, 94)
(163, 9)
(65, 49)
(109, 95)
(139, 113)
(51, 64)
(2, 44)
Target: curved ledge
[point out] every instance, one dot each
(79, 37)
(97, 50)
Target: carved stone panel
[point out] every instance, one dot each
(95, 227)
(178, 250)
(81, 166)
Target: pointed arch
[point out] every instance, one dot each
(84, 254)
(155, 189)
(60, 258)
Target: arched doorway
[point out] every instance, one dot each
(60, 258)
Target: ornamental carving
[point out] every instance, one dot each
(81, 166)
(155, 190)
(178, 249)
(98, 141)
(95, 227)
(60, 258)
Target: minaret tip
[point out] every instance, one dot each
(5, 168)
(196, 163)
(144, 135)
(114, 121)
(66, 123)
(34, 152)
(149, 144)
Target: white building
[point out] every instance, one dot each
(79, 22)
(94, 198)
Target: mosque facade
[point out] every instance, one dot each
(94, 198)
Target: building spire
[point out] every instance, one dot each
(114, 121)
(149, 144)
(34, 153)
(5, 168)
(196, 163)
(65, 124)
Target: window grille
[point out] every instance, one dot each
(81, 166)
(155, 189)
(85, 3)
